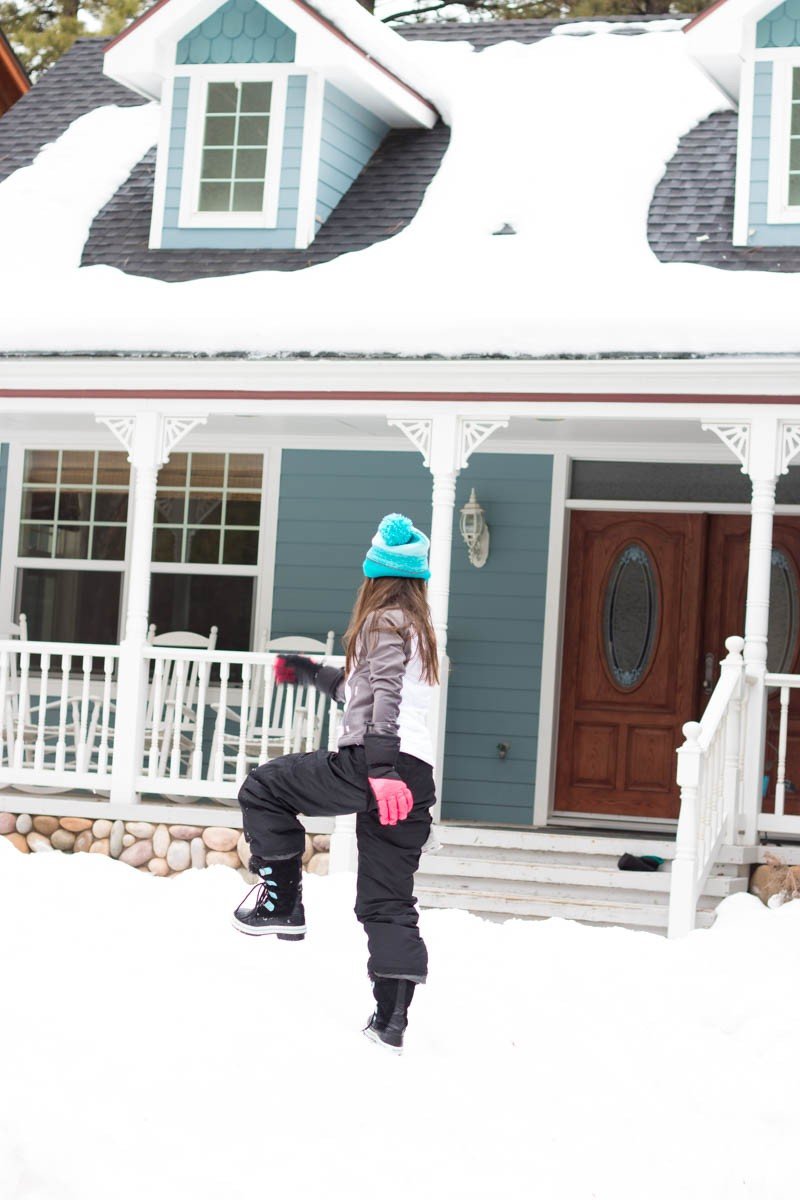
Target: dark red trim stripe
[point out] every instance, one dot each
(470, 397)
(311, 12)
(701, 16)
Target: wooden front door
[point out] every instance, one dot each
(629, 669)
(650, 601)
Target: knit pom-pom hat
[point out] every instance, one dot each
(398, 549)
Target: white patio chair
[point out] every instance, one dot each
(171, 693)
(282, 718)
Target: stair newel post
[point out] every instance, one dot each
(148, 437)
(683, 899)
(733, 664)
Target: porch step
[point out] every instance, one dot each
(503, 873)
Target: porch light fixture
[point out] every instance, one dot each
(475, 531)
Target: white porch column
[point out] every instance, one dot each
(446, 442)
(148, 437)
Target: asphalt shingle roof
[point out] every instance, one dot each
(690, 219)
(691, 213)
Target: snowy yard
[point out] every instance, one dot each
(150, 1050)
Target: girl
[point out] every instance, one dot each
(382, 771)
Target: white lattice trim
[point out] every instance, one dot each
(736, 438)
(122, 429)
(473, 434)
(175, 430)
(419, 434)
(790, 445)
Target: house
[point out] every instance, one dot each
(13, 80)
(281, 269)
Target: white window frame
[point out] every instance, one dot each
(190, 217)
(262, 571)
(779, 211)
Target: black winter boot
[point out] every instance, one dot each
(278, 906)
(388, 1023)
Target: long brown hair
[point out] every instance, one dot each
(411, 597)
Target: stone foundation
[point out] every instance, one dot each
(159, 849)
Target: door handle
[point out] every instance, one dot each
(709, 672)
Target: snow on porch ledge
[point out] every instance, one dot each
(563, 140)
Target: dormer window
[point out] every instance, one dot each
(234, 134)
(784, 145)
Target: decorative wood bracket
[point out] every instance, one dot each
(172, 431)
(473, 434)
(736, 438)
(789, 446)
(419, 434)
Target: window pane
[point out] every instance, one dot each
(217, 164)
(243, 510)
(241, 546)
(109, 542)
(196, 602)
(208, 470)
(219, 131)
(248, 197)
(70, 606)
(72, 541)
(795, 120)
(215, 197)
(222, 97)
(170, 508)
(245, 471)
(202, 545)
(256, 97)
(794, 189)
(250, 164)
(167, 545)
(253, 131)
(795, 84)
(36, 541)
(205, 510)
(38, 505)
(173, 474)
(41, 466)
(794, 154)
(77, 467)
(113, 469)
(111, 506)
(75, 506)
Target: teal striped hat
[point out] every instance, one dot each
(398, 549)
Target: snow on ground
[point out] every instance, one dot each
(564, 140)
(147, 1049)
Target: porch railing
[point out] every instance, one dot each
(710, 779)
(209, 717)
(779, 821)
(56, 714)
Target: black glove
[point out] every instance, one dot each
(303, 669)
(381, 751)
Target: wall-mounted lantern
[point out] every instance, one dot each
(475, 531)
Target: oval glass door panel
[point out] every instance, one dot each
(630, 614)
(783, 615)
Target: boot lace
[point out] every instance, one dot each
(267, 893)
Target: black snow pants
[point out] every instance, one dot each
(327, 784)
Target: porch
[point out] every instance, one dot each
(499, 725)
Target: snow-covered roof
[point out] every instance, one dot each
(563, 140)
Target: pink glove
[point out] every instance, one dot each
(394, 800)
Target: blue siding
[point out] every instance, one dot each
(3, 478)
(330, 502)
(350, 136)
(241, 31)
(781, 27)
(760, 232)
(283, 235)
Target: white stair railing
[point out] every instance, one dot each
(709, 777)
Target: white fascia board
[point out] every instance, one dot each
(144, 57)
(297, 382)
(744, 147)
(720, 40)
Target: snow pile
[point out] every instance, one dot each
(149, 1050)
(564, 140)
